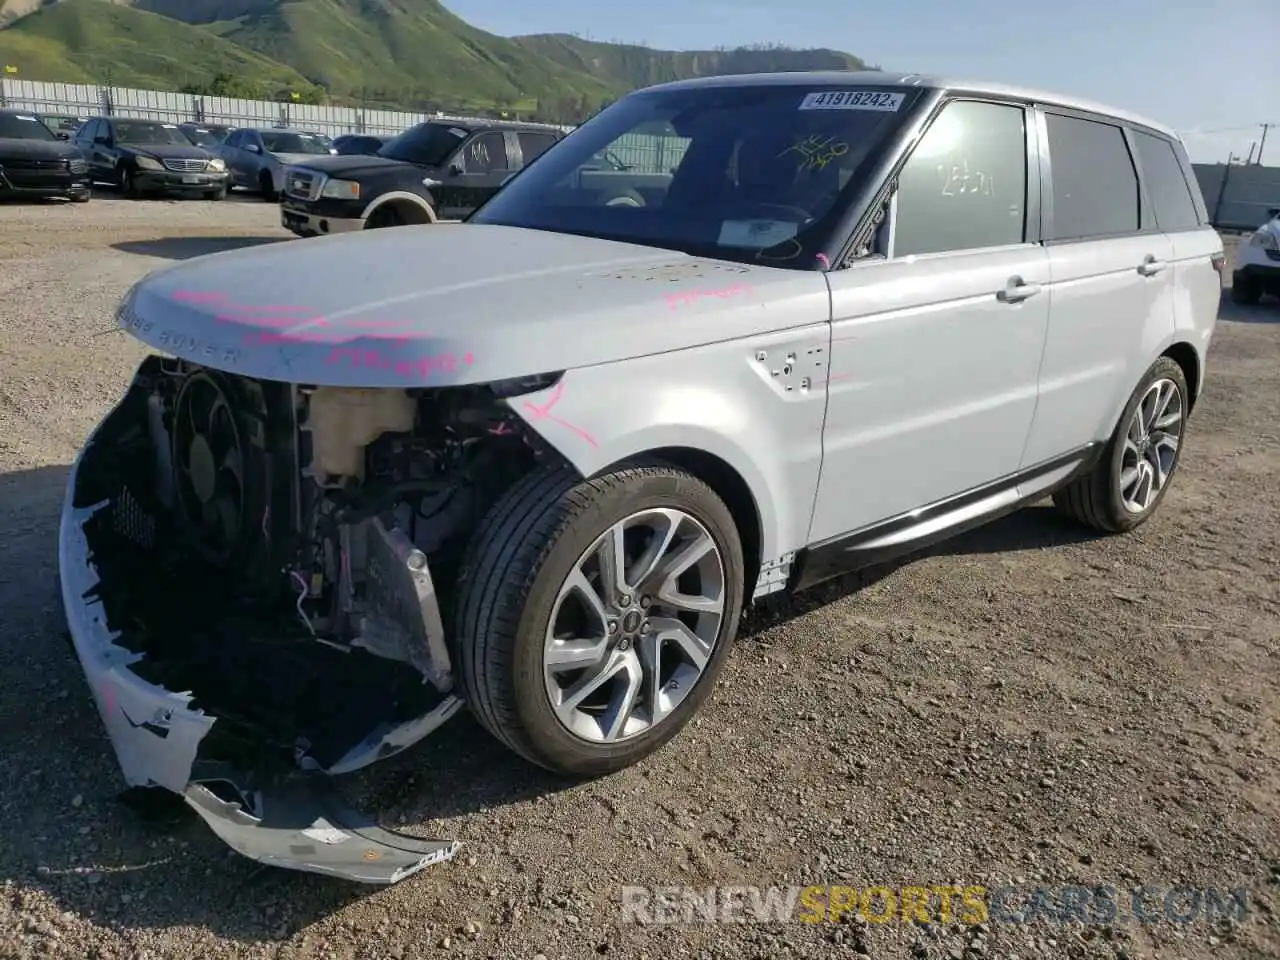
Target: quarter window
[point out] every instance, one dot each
(1095, 186)
(965, 185)
(1166, 183)
(486, 153)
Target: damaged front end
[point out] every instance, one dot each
(256, 576)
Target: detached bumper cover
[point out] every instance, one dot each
(294, 821)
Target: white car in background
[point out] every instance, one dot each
(1257, 269)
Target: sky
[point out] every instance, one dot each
(1211, 74)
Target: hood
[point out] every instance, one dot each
(299, 159)
(11, 149)
(349, 164)
(169, 151)
(448, 304)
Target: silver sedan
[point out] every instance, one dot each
(256, 157)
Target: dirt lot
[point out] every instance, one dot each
(1027, 706)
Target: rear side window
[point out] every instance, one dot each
(1095, 186)
(965, 185)
(1166, 183)
(533, 144)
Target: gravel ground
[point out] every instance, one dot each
(1026, 706)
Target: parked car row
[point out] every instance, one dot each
(50, 156)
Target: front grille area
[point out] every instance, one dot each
(185, 166)
(77, 166)
(35, 174)
(303, 184)
(35, 166)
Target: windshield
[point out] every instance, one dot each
(428, 144)
(147, 132)
(202, 137)
(277, 141)
(739, 172)
(23, 126)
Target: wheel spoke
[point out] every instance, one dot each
(649, 650)
(612, 557)
(579, 586)
(1127, 479)
(664, 534)
(696, 650)
(623, 705)
(592, 681)
(566, 655)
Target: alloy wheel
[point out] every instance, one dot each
(634, 626)
(1151, 445)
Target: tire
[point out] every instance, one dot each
(129, 185)
(1098, 499)
(83, 198)
(1246, 291)
(527, 547)
(219, 194)
(625, 198)
(267, 187)
(384, 216)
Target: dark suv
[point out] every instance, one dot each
(438, 170)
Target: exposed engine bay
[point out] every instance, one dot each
(289, 555)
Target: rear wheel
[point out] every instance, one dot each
(1138, 464)
(596, 615)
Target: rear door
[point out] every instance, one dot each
(533, 144)
(1112, 281)
(1180, 212)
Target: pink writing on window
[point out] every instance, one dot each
(419, 368)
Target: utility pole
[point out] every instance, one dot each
(1263, 144)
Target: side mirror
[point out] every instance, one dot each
(253, 148)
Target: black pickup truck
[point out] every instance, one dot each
(437, 170)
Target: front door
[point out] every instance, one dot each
(481, 166)
(936, 346)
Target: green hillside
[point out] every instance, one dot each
(628, 67)
(404, 50)
(403, 53)
(90, 40)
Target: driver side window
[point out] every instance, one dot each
(965, 185)
(486, 153)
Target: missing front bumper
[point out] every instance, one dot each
(286, 818)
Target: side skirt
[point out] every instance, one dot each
(931, 524)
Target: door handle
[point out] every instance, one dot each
(1017, 290)
(1150, 266)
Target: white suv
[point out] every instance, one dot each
(1257, 267)
(537, 463)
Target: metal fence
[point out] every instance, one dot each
(1239, 196)
(89, 100)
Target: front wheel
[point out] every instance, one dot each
(129, 184)
(267, 187)
(1138, 463)
(596, 615)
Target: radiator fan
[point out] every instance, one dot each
(215, 475)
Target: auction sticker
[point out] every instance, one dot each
(853, 100)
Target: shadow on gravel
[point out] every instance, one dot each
(1268, 311)
(1031, 528)
(184, 248)
(69, 831)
